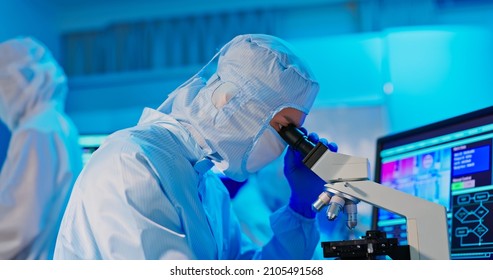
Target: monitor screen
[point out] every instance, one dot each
(450, 163)
(90, 143)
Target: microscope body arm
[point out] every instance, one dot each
(347, 179)
(427, 229)
(348, 176)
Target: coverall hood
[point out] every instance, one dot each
(226, 112)
(30, 79)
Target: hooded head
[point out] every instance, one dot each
(29, 78)
(228, 112)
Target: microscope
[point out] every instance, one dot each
(348, 183)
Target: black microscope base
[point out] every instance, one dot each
(370, 247)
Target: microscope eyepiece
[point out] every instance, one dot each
(296, 139)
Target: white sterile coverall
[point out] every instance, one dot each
(43, 158)
(148, 191)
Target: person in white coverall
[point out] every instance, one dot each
(148, 191)
(43, 157)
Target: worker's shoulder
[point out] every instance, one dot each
(143, 141)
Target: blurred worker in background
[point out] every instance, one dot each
(148, 191)
(43, 158)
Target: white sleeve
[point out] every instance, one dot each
(26, 181)
(118, 211)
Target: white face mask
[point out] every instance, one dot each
(268, 147)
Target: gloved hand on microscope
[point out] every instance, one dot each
(305, 184)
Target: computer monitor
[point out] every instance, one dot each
(90, 143)
(450, 163)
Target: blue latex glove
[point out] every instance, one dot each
(305, 185)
